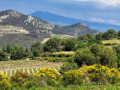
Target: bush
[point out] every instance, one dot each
(68, 66)
(4, 84)
(96, 54)
(30, 84)
(20, 77)
(103, 74)
(70, 45)
(74, 77)
(48, 75)
(85, 56)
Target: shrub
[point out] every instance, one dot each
(68, 66)
(103, 74)
(96, 54)
(49, 75)
(30, 84)
(73, 77)
(4, 84)
(19, 77)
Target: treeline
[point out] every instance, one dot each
(55, 45)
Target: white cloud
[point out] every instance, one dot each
(103, 2)
(97, 20)
(114, 22)
(100, 20)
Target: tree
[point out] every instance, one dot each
(3, 56)
(99, 36)
(110, 34)
(89, 35)
(37, 45)
(83, 38)
(92, 41)
(52, 44)
(84, 56)
(19, 53)
(119, 33)
(70, 45)
(36, 53)
(81, 44)
(96, 54)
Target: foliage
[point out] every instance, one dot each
(36, 52)
(30, 84)
(49, 75)
(92, 41)
(99, 36)
(68, 66)
(4, 84)
(3, 56)
(85, 56)
(74, 77)
(110, 34)
(83, 38)
(20, 77)
(70, 45)
(52, 45)
(96, 54)
(98, 73)
(18, 53)
(81, 44)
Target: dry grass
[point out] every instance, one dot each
(111, 41)
(23, 64)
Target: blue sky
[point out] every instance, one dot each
(105, 11)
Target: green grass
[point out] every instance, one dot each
(13, 72)
(26, 71)
(21, 70)
(4, 72)
(34, 69)
(8, 73)
(30, 71)
(56, 68)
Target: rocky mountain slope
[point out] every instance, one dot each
(17, 28)
(74, 30)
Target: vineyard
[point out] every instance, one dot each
(27, 66)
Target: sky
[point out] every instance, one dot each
(103, 11)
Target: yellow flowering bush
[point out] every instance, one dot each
(49, 75)
(73, 77)
(20, 77)
(4, 84)
(99, 73)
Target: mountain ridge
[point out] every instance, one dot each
(17, 28)
(63, 20)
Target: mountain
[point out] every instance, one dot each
(20, 29)
(74, 30)
(62, 20)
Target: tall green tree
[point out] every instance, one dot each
(70, 45)
(52, 44)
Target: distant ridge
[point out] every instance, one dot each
(62, 20)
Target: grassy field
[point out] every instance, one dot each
(29, 66)
(111, 41)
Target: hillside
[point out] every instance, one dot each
(62, 20)
(20, 29)
(74, 30)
